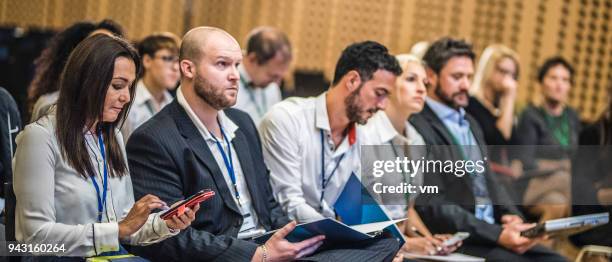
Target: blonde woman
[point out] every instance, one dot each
(494, 93)
(398, 138)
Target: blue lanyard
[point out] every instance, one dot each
(102, 200)
(407, 178)
(325, 181)
(229, 164)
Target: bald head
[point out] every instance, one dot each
(209, 59)
(198, 41)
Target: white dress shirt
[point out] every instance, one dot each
(142, 109)
(383, 142)
(55, 204)
(250, 223)
(256, 101)
(291, 140)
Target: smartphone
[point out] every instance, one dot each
(190, 202)
(459, 236)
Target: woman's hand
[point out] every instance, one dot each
(139, 214)
(448, 249)
(420, 245)
(183, 221)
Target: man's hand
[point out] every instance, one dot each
(511, 238)
(511, 219)
(279, 249)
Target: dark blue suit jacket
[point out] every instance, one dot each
(452, 210)
(169, 158)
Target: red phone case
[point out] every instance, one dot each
(189, 202)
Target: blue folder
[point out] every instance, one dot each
(333, 230)
(355, 206)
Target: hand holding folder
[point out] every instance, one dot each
(278, 247)
(361, 219)
(333, 230)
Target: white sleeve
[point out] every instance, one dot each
(281, 153)
(34, 184)
(153, 231)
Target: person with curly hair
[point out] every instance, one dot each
(43, 91)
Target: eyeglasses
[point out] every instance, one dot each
(170, 59)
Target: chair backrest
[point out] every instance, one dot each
(592, 252)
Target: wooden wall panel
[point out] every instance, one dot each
(579, 30)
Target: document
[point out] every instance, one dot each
(359, 217)
(334, 231)
(355, 206)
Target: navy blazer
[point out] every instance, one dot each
(452, 209)
(169, 158)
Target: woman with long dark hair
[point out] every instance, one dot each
(43, 90)
(71, 180)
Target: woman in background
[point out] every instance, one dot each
(494, 93)
(71, 179)
(548, 134)
(43, 90)
(492, 105)
(396, 137)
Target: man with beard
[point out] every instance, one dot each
(198, 142)
(311, 145)
(477, 202)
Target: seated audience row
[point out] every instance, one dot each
(280, 163)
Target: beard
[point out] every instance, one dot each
(354, 109)
(451, 100)
(214, 96)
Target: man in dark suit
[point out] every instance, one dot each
(475, 203)
(198, 142)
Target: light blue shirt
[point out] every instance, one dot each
(459, 128)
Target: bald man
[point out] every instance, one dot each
(267, 60)
(197, 143)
